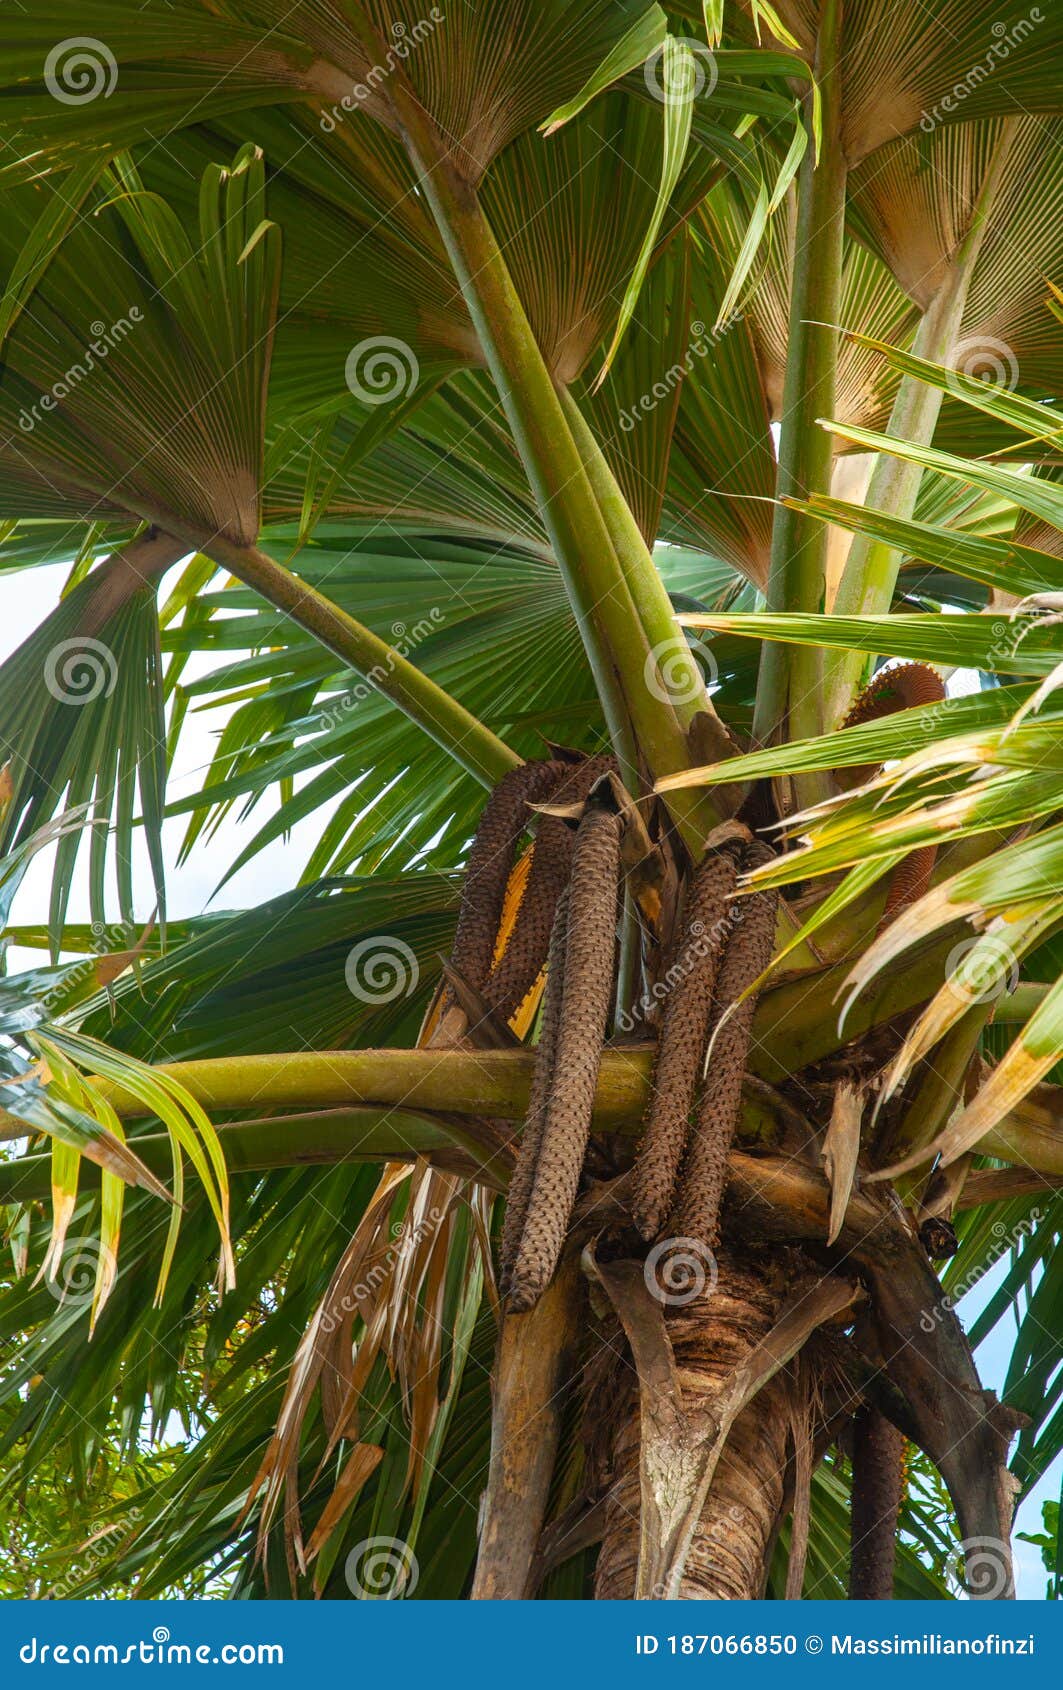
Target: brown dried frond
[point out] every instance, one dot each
(749, 948)
(585, 1005)
(684, 1029)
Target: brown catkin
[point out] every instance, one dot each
(505, 817)
(517, 970)
(523, 1178)
(586, 1001)
(901, 688)
(684, 1029)
(747, 953)
(909, 880)
(878, 1476)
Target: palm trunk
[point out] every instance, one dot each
(710, 1336)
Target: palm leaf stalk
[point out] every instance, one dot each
(795, 1035)
(613, 593)
(789, 695)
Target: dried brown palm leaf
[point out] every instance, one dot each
(841, 1150)
(318, 1354)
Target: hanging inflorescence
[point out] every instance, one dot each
(505, 981)
(701, 1057)
(569, 909)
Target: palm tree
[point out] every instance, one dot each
(556, 411)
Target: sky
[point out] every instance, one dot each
(25, 599)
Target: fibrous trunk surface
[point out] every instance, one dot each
(710, 1336)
